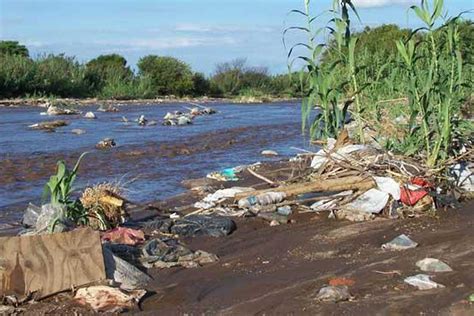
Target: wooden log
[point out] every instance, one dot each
(331, 185)
(48, 264)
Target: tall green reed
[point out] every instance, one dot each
(434, 66)
(327, 93)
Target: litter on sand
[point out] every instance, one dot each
(108, 299)
(423, 282)
(433, 265)
(401, 242)
(334, 294)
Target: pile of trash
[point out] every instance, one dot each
(349, 181)
(115, 252)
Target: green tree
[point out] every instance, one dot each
(201, 85)
(169, 76)
(228, 76)
(60, 75)
(105, 68)
(13, 48)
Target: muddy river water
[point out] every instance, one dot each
(150, 161)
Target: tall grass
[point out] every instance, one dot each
(326, 89)
(426, 66)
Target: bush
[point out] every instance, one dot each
(169, 76)
(107, 67)
(13, 48)
(17, 74)
(60, 75)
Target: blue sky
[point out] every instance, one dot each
(200, 32)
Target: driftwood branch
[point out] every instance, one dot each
(331, 185)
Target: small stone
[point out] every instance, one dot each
(106, 143)
(90, 115)
(142, 121)
(274, 223)
(269, 153)
(433, 265)
(334, 294)
(78, 131)
(183, 120)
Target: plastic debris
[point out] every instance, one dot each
(262, 199)
(269, 153)
(228, 174)
(127, 275)
(352, 215)
(341, 281)
(401, 242)
(274, 223)
(284, 210)
(322, 155)
(411, 197)
(126, 236)
(220, 195)
(433, 265)
(463, 176)
(329, 203)
(470, 299)
(167, 252)
(388, 185)
(372, 201)
(414, 191)
(108, 299)
(423, 282)
(41, 219)
(194, 225)
(90, 115)
(334, 294)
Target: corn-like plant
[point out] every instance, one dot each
(326, 90)
(434, 66)
(59, 187)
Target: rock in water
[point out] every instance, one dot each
(269, 153)
(49, 126)
(78, 131)
(106, 143)
(183, 120)
(90, 115)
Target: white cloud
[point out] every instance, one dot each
(381, 3)
(167, 43)
(203, 28)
